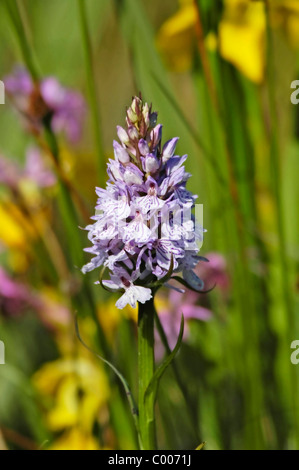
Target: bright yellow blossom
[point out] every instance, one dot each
(241, 34)
(77, 389)
(110, 317)
(75, 439)
(176, 37)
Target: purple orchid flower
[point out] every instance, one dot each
(144, 230)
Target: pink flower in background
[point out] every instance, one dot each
(170, 317)
(214, 273)
(16, 298)
(49, 100)
(11, 173)
(36, 171)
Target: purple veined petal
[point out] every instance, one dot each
(171, 247)
(171, 232)
(151, 163)
(193, 280)
(178, 176)
(109, 233)
(137, 231)
(115, 170)
(133, 295)
(149, 203)
(174, 164)
(94, 263)
(184, 196)
(104, 194)
(120, 153)
(194, 312)
(133, 175)
(163, 257)
(169, 149)
(116, 209)
(164, 187)
(112, 259)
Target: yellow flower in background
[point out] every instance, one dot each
(14, 228)
(75, 439)
(110, 317)
(242, 37)
(16, 235)
(176, 38)
(76, 388)
(286, 15)
(241, 34)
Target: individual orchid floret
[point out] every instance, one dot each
(47, 101)
(144, 230)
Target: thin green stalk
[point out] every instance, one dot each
(282, 251)
(276, 172)
(18, 28)
(146, 364)
(93, 101)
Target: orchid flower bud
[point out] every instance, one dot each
(120, 153)
(169, 149)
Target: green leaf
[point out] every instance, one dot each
(151, 391)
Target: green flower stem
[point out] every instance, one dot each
(146, 364)
(93, 101)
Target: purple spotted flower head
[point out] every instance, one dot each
(144, 230)
(47, 101)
